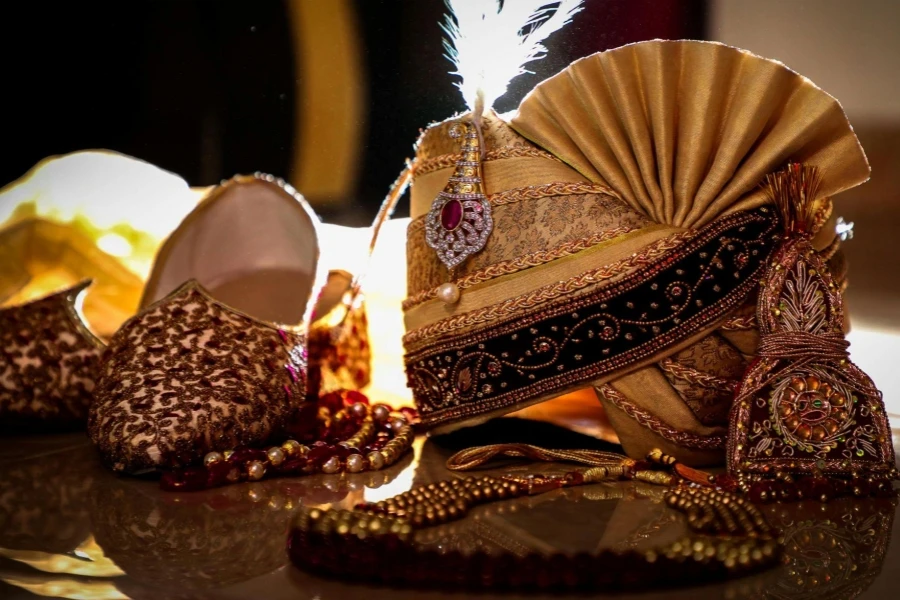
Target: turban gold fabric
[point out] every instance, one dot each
(629, 234)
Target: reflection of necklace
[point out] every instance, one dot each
(381, 541)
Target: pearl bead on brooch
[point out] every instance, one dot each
(448, 293)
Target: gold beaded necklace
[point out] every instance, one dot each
(381, 541)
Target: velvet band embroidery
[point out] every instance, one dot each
(576, 340)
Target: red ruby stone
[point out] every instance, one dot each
(574, 478)
(411, 414)
(726, 482)
(451, 215)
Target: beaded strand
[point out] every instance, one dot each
(350, 435)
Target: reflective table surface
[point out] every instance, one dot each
(71, 529)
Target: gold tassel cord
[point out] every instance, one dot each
(471, 458)
(659, 468)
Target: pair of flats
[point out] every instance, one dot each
(237, 328)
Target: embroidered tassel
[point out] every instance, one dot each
(803, 407)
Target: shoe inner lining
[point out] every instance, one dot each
(253, 248)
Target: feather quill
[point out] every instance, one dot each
(490, 42)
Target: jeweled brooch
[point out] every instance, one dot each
(459, 222)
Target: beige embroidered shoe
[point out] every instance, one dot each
(218, 355)
(48, 358)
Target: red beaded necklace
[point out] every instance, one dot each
(344, 433)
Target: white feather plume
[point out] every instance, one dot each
(490, 42)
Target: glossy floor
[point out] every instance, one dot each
(71, 529)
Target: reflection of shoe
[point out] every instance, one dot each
(217, 358)
(188, 547)
(48, 359)
(45, 487)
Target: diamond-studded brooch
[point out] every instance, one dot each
(459, 222)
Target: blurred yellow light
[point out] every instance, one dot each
(94, 563)
(65, 587)
(114, 244)
(125, 205)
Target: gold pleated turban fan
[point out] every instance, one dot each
(612, 235)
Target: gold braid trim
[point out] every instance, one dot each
(654, 424)
(548, 292)
(740, 323)
(822, 215)
(558, 188)
(693, 376)
(470, 458)
(444, 161)
(531, 192)
(829, 251)
(534, 259)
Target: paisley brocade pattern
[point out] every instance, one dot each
(521, 263)
(48, 361)
(188, 376)
(523, 228)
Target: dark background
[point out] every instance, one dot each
(207, 89)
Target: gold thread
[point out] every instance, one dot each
(823, 214)
(558, 188)
(740, 323)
